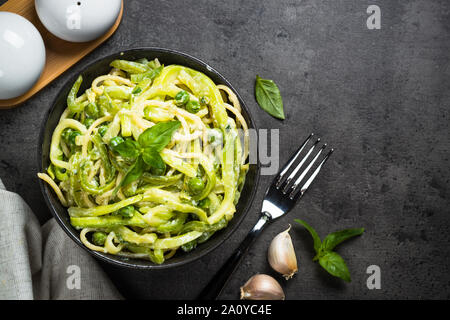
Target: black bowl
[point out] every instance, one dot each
(99, 67)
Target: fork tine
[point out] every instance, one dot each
(297, 168)
(291, 161)
(305, 172)
(308, 182)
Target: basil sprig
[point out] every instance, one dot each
(268, 97)
(146, 150)
(328, 259)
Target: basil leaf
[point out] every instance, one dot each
(335, 265)
(134, 173)
(153, 159)
(268, 97)
(315, 236)
(127, 149)
(158, 136)
(335, 238)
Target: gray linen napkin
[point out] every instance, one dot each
(44, 263)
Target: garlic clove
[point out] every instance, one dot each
(262, 287)
(281, 255)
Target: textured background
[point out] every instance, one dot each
(380, 97)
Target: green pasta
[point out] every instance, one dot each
(133, 159)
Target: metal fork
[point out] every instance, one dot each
(280, 198)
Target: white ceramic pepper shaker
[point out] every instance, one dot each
(22, 55)
(78, 20)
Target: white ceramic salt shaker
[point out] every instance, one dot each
(78, 20)
(22, 55)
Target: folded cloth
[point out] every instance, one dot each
(43, 263)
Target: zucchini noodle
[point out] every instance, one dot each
(159, 211)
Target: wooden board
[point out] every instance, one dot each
(60, 54)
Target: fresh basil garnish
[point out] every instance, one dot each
(134, 172)
(153, 159)
(128, 149)
(314, 235)
(335, 265)
(268, 97)
(158, 136)
(335, 238)
(332, 262)
(146, 150)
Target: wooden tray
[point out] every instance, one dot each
(60, 54)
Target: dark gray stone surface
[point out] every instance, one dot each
(380, 97)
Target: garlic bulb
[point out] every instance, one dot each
(281, 255)
(262, 287)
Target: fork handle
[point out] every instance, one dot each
(220, 279)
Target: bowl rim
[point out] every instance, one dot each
(111, 258)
